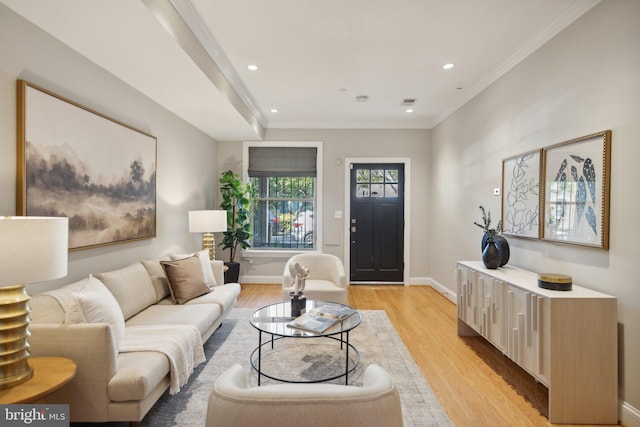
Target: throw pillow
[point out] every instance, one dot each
(185, 279)
(95, 304)
(205, 262)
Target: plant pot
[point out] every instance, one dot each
(233, 272)
(491, 257)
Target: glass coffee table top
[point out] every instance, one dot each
(273, 320)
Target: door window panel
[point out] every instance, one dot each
(377, 182)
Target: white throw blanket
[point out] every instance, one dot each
(182, 344)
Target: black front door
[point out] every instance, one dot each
(376, 225)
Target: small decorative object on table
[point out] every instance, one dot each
(298, 304)
(298, 300)
(495, 248)
(554, 281)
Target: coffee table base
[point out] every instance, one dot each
(342, 338)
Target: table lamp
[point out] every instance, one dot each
(32, 249)
(207, 223)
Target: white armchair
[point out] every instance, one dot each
(326, 280)
(376, 404)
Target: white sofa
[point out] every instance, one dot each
(376, 404)
(327, 280)
(115, 385)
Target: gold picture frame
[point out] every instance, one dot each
(576, 191)
(77, 163)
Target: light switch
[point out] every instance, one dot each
(337, 214)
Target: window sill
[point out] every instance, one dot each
(274, 253)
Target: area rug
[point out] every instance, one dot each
(375, 338)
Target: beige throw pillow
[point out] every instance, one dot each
(185, 279)
(95, 304)
(205, 262)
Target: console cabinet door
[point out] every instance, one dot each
(468, 298)
(493, 311)
(528, 321)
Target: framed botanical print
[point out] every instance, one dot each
(521, 194)
(576, 191)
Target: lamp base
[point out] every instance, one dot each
(14, 330)
(209, 243)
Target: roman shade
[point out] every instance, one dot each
(282, 161)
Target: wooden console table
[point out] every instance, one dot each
(49, 374)
(567, 340)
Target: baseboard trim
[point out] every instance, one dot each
(629, 416)
(266, 280)
(430, 281)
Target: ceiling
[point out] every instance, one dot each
(314, 57)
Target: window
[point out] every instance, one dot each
(286, 179)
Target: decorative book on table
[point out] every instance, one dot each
(320, 319)
(339, 312)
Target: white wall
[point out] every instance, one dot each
(186, 166)
(337, 145)
(584, 80)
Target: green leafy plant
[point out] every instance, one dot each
(237, 198)
(486, 225)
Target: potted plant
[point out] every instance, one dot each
(236, 200)
(495, 248)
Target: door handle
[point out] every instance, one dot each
(353, 229)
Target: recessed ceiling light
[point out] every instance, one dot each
(409, 110)
(252, 67)
(274, 110)
(447, 66)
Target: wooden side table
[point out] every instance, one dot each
(49, 374)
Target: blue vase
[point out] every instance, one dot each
(491, 256)
(502, 245)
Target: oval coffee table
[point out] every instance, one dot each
(272, 320)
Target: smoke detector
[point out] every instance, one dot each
(362, 98)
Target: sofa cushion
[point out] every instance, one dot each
(185, 279)
(95, 304)
(139, 373)
(202, 316)
(131, 286)
(159, 280)
(225, 295)
(205, 262)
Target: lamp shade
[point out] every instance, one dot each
(32, 249)
(207, 221)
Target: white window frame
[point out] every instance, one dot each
(288, 253)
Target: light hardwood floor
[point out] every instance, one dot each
(475, 384)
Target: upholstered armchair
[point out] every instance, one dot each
(326, 280)
(375, 404)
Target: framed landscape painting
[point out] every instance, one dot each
(77, 163)
(576, 194)
(521, 195)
